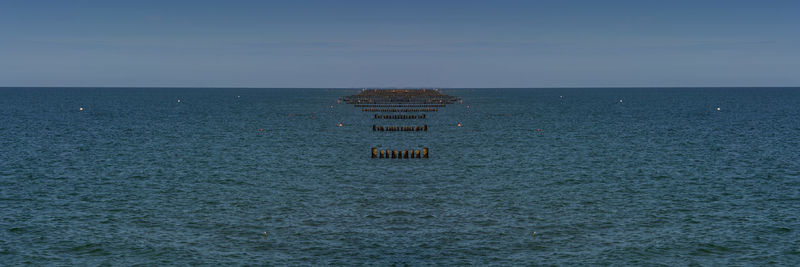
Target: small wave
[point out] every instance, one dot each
(399, 213)
(93, 249)
(710, 249)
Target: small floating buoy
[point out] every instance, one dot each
(467, 106)
(718, 109)
(538, 129)
(238, 96)
(620, 100)
(459, 124)
(179, 100)
(265, 234)
(80, 109)
(260, 129)
(340, 124)
(533, 235)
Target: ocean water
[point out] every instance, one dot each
(633, 176)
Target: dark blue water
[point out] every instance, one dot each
(137, 177)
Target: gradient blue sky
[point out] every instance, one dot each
(399, 43)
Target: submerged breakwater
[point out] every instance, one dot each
(431, 100)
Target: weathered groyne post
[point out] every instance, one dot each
(399, 102)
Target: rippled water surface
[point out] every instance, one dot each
(184, 176)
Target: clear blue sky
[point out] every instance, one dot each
(399, 43)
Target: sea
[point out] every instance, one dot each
(267, 177)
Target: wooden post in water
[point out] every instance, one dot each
(400, 102)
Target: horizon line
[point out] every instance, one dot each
(350, 88)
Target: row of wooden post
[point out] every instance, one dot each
(399, 154)
(399, 128)
(378, 116)
(399, 105)
(399, 109)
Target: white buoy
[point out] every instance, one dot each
(620, 100)
(718, 109)
(81, 109)
(179, 100)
